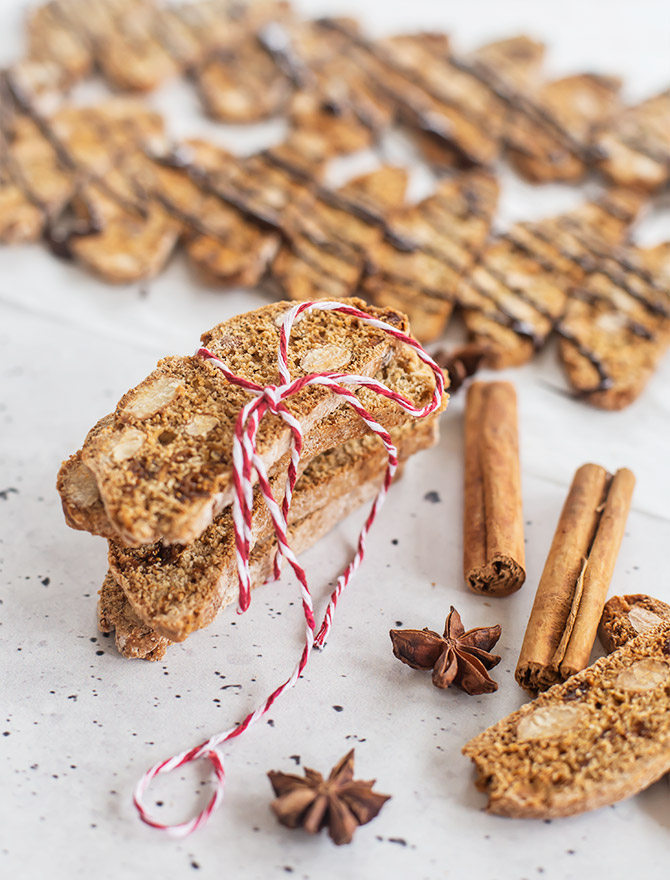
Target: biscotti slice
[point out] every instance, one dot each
(327, 240)
(601, 736)
(635, 149)
(221, 243)
(134, 639)
(178, 589)
(263, 185)
(126, 242)
(242, 84)
(550, 135)
(455, 101)
(126, 40)
(517, 292)
(405, 374)
(616, 326)
(163, 466)
(49, 38)
(102, 137)
(625, 617)
(432, 245)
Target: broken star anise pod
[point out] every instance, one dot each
(340, 802)
(458, 657)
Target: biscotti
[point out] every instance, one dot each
(328, 240)
(82, 503)
(625, 617)
(516, 294)
(616, 325)
(431, 247)
(634, 150)
(601, 736)
(178, 589)
(551, 135)
(136, 639)
(133, 638)
(162, 465)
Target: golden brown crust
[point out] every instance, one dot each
(601, 736)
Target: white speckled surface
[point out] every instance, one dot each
(80, 724)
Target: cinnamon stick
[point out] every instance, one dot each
(572, 591)
(493, 549)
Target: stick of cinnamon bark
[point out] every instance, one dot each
(493, 550)
(577, 574)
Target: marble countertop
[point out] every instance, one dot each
(80, 724)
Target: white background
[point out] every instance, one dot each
(81, 724)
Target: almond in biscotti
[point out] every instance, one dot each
(601, 736)
(172, 483)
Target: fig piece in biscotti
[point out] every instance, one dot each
(163, 466)
(601, 736)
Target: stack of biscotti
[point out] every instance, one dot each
(155, 479)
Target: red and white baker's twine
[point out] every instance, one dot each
(245, 460)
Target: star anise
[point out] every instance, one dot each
(458, 657)
(340, 802)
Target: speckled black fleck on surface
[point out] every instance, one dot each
(5, 493)
(338, 708)
(433, 497)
